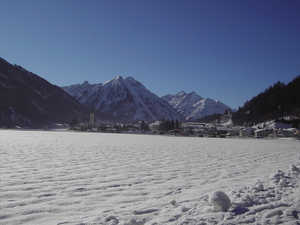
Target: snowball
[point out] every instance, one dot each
(260, 187)
(220, 201)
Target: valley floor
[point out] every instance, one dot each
(95, 178)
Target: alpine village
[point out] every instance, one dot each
(116, 106)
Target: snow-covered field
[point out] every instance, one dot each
(94, 178)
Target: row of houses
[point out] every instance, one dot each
(269, 132)
(272, 129)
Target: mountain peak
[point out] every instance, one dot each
(85, 84)
(114, 80)
(181, 93)
(192, 106)
(194, 95)
(118, 78)
(127, 99)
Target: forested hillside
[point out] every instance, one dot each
(29, 100)
(276, 101)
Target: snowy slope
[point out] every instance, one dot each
(80, 178)
(192, 106)
(125, 98)
(80, 90)
(182, 100)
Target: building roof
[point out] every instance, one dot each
(277, 125)
(175, 131)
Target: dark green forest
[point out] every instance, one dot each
(275, 102)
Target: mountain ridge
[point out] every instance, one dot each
(192, 106)
(189, 106)
(29, 100)
(127, 98)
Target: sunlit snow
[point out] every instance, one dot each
(95, 178)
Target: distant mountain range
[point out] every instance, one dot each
(125, 98)
(28, 100)
(192, 106)
(129, 99)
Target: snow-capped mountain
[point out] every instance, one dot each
(124, 98)
(81, 91)
(192, 106)
(182, 100)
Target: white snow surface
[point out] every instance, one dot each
(71, 178)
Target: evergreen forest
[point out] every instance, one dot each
(277, 101)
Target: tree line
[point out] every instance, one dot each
(277, 101)
(167, 125)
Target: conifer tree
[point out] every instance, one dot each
(176, 124)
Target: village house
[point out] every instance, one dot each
(193, 125)
(290, 132)
(262, 132)
(175, 132)
(247, 132)
(154, 126)
(212, 131)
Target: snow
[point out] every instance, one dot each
(94, 178)
(182, 100)
(220, 201)
(124, 97)
(192, 106)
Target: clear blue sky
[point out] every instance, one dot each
(227, 50)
